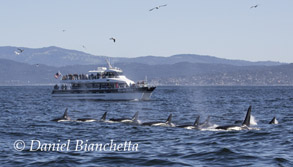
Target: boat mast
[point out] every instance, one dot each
(109, 64)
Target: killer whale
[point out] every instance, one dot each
(103, 118)
(134, 119)
(193, 126)
(64, 118)
(197, 124)
(168, 123)
(205, 124)
(245, 123)
(274, 121)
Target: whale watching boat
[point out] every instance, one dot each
(101, 84)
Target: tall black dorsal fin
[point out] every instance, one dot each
(65, 115)
(104, 116)
(196, 122)
(135, 117)
(247, 117)
(169, 120)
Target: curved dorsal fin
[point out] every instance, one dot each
(135, 117)
(169, 120)
(196, 122)
(274, 121)
(207, 120)
(65, 115)
(104, 116)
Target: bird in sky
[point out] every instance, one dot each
(255, 6)
(19, 51)
(63, 30)
(157, 7)
(83, 46)
(114, 40)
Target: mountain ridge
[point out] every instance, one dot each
(16, 73)
(38, 66)
(56, 56)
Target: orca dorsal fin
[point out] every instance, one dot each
(104, 116)
(65, 115)
(207, 120)
(135, 117)
(274, 121)
(169, 120)
(247, 117)
(196, 122)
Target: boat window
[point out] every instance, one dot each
(122, 85)
(75, 86)
(112, 74)
(96, 85)
(89, 85)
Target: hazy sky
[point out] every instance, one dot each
(222, 28)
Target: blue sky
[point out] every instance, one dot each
(222, 28)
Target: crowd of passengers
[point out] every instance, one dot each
(88, 77)
(101, 86)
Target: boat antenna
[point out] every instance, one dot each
(108, 62)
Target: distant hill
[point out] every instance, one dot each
(183, 73)
(15, 73)
(193, 58)
(55, 56)
(183, 69)
(51, 56)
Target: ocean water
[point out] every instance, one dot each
(26, 114)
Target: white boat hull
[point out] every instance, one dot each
(105, 96)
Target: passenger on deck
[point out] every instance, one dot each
(56, 87)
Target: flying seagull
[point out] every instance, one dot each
(157, 7)
(255, 6)
(63, 30)
(114, 40)
(83, 46)
(19, 51)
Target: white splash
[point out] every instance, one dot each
(253, 120)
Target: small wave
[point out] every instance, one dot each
(224, 151)
(281, 159)
(159, 162)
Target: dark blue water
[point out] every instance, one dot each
(25, 114)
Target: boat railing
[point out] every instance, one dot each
(86, 77)
(65, 87)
